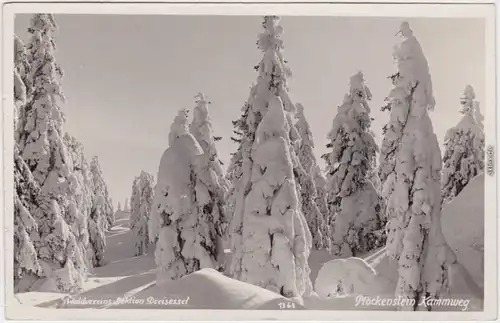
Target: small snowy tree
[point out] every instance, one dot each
(126, 207)
(309, 195)
(187, 239)
(464, 148)
(140, 209)
(352, 196)
(101, 191)
(266, 251)
(119, 207)
(410, 165)
(97, 231)
(41, 144)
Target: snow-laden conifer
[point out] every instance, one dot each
(22, 86)
(352, 196)
(140, 210)
(309, 195)
(187, 239)
(464, 148)
(40, 136)
(100, 188)
(410, 166)
(258, 227)
(209, 168)
(27, 269)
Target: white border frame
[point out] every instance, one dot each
(479, 9)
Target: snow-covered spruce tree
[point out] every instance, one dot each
(266, 251)
(209, 169)
(41, 144)
(97, 230)
(187, 239)
(126, 207)
(22, 86)
(464, 148)
(352, 196)
(410, 165)
(271, 223)
(27, 269)
(309, 195)
(83, 192)
(321, 202)
(140, 210)
(234, 174)
(101, 190)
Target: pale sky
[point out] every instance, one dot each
(127, 76)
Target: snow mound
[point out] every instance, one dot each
(208, 289)
(346, 277)
(463, 227)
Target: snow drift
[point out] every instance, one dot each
(463, 227)
(206, 289)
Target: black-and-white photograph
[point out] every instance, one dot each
(249, 162)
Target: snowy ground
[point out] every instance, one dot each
(129, 282)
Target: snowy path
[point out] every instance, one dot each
(125, 276)
(122, 274)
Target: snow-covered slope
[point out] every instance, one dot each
(207, 289)
(463, 227)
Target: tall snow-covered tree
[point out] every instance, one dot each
(101, 191)
(266, 251)
(410, 166)
(309, 195)
(27, 269)
(209, 169)
(40, 136)
(187, 239)
(352, 196)
(464, 148)
(140, 210)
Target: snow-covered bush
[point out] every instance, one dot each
(410, 166)
(187, 239)
(266, 251)
(140, 210)
(464, 148)
(352, 197)
(346, 277)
